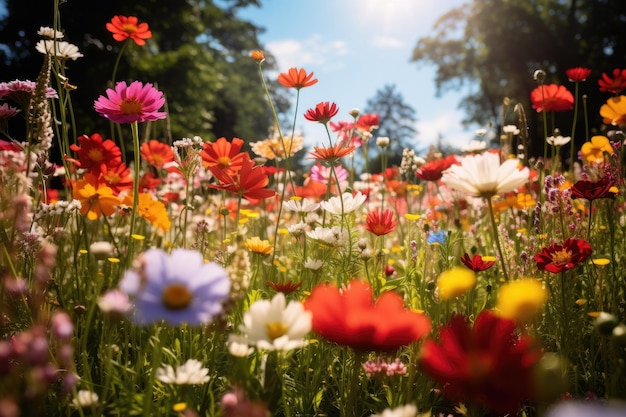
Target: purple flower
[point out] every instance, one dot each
(177, 288)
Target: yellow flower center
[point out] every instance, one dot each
(223, 161)
(95, 155)
(275, 330)
(561, 256)
(131, 106)
(129, 28)
(177, 297)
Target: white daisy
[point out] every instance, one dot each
(276, 325)
(49, 33)
(85, 398)
(313, 264)
(350, 203)
(63, 50)
(301, 206)
(190, 373)
(482, 175)
(558, 140)
(475, 146)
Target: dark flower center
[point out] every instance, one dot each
(177, 297)
(131, 106)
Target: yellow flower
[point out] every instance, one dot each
(455, 282)
(259, 246)
(593, 151)
(521, 300)
(614, 111)
(152, 210)
(96, 199)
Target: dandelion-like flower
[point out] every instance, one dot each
(483, 176)
(276, 324)
(131, 103)
(190, 373)
(177, 288)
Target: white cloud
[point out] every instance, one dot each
(387, 42)
(313, 50)
(445, 125)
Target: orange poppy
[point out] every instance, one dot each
(554, 97)
(296, 78)
(157, 153)
(225, 155)
(248, 182)
(118, 177)
(331, 154)
(123, 27)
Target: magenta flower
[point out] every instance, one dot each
(133, 103)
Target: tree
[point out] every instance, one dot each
(397, 120)
(496, 45)
(198, 56)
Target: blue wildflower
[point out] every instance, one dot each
(437, 238)
(177, 288)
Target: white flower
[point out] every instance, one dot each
(350, 203)
(480, 132)
(475, 146)
(238, 346)
(64, 50)
(313, 264)
(85, 398)
(558, 140)
(510, 129)
(48, 32)
(114, 302)
(382, 141)
(101, 249)
(297, 229)
(482, 175)
(190, 373)
(276, 325)
(301, 206)
(408, 410)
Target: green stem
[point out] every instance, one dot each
(572, 143)
(350, 409)
(494, 227)
(135, 131)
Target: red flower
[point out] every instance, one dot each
(149, 182)
(296, 78)
(223, 154)
(284, 287)
(558, 258)
(487, 364)
(118, 178)
(249, 182)
(157, 153)
(95, 153)
(591, 190)
(613, 84)
(433, 170)
(476, 263)
(554, 97)
(352, 318)
(577, 74)
(322, 113)
(380, 222)
(367, 122)
(123, 27)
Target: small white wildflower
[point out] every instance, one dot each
(238, 346)
(101, 249)
(114, 302)
(190, 373)
(350, 203)
(558, 140)
(313, 264)
(63, 50)
(408, 410)
(475, 146)
(511, 129)
(480, 132)
(49, 33)
(297, 229)
(85, 398)
(382, 141)
(301, 206)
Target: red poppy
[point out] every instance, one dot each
(380, 222)
(559, 258)
(577, 74)
(591, 190)
(350, 317)
(249, 182)
(433, 170)
(322, 113)
(296, 78)
(332, 153)
(157, 153)
(555, 98)
(284, 287)
(476, 262)
(613, 84)
(367, 122)
(223, 154)
(488, 364)
(123, 27)
(94, 153)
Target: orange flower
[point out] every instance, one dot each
(123, 27)
(157, 153)
(249, 182)
(258, 56)
(223, 154)
(152, 210)
(96, 199)
(118, 178)
(593, 151)
(380, 222)
(296, 78)
(554, 97)
(94, 153)
(613, 112)
(331, 154)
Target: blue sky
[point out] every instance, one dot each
(355, 48)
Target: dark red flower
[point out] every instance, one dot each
(433, 170)
(592, 190)
(380, 222)
(350, 317)
(487, 364)
(476, 262)
(613, 84)
(554, 97)
(558, 258)
(249, 182)
(577, 74)
(284, 287)
(322, 113)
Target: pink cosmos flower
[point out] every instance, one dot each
(131, 103)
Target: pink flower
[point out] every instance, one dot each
(133, 103)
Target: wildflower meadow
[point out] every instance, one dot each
(192, 277)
